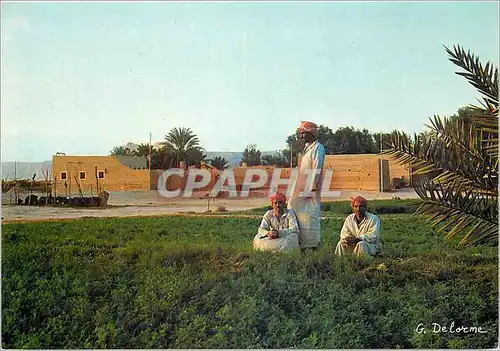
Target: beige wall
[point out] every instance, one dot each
(358, 172)
(350, 172)
(117, 176)
(396, 170)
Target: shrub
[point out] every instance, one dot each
(374, 206)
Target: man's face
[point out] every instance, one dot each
(278, 205)
(307, 137)
(359, 208)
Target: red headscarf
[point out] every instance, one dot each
(360, 200)
(278, 196)
(308, 127)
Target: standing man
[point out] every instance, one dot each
(306, 195)
(361, 231)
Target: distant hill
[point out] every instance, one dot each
(25, 170)
(233, 158)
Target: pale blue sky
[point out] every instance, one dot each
(83, 77)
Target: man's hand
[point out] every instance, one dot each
(272, 234)
(344, 243)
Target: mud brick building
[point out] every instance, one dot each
(92, 174)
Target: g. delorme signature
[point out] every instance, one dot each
(452, 329)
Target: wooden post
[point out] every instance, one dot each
(149, 160)
(381, 166)
(30, 189)
(149, 153)
(78, 184)
(97, 180)
(15, 183)
(68, 177)
(46, 177)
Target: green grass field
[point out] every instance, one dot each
(180, 282)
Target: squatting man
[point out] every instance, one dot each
(360, 233)
(278, 230)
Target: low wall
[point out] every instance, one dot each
(397, 170)
(350, 172)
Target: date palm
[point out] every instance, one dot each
(119, 151)
(194, 156)
(162, 158)
(219, 162)
(182, 141)
(142, 150)
(460, 158)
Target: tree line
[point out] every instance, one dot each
(179, 145)
(345, 140)
(183, 145)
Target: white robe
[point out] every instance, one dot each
(287, 228)
(308, 209)
(368, 231)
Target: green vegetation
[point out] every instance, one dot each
(342, 208)
(178, 282)
(374, 206)
(219, 162)
(181, 144)
(251, 156)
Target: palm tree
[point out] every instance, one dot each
(219, 162)
(162, 158)
(142, 150)
(461, 157)
(194, 156)
(183, 142)
(119, 151)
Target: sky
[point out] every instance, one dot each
(84, 77)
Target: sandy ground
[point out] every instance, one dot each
(150, 203)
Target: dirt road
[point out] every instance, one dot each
(150, 203)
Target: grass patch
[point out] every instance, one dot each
(177, 282)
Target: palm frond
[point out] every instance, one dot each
(484, 79)
(446, 155)
(459, 210)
